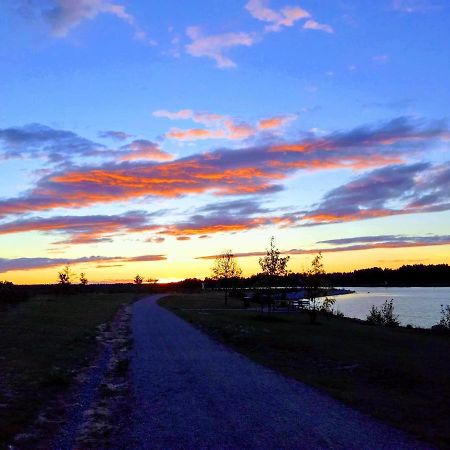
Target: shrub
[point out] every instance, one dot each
(384, 315)
(374, 317)
(327, 305)
(445, 316)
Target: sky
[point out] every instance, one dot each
(147, 137)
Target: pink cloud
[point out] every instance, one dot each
(314, 25)
(142, 149)
(215, 46)
(286, 17)
(222, 126)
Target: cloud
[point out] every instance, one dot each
(397, 239)
(83, 229)
(155, 239)
(225, 217)
(61, 146)
(392, 190)
(214, 46)
(194, 134)
(314, 25)
(416, 6)
(286, 17)
(361, 243)
(223, 126)
(142, 149)
(249, 170)
(16, 264)
(271, 123)
(116, 135)
(204, 118)
(380, 59)
(36, 140)
(63, 16)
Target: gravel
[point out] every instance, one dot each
(191, 392)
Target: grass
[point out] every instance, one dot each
(398, 375)
(43, 342)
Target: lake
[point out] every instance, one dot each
(417, 306)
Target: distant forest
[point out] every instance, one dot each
(409, 275)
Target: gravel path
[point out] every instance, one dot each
(193, 393)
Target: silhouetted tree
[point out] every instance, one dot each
(138, 279)
(83, 279)
(273, 268)
(273, 265)
(316, 287)
(226, 270)
(65, 276)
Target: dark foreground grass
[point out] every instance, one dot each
(43, 342)
(399, 375)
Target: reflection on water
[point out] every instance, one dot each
(414, 305)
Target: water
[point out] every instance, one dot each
(417, 306)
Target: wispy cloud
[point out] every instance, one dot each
(392, 190)
(216, 45)
(116, 135)
(285, 17)
(36, 140)
(63, 16)
(224, 217)
(142, 149)
(19, 264)
(276, 20)
(359, 244)
(220, 126)
(416, 6)
(84, 229)
(314, 25)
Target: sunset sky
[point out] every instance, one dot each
(145, 136)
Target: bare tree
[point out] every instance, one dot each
(83, 279)
(226, 269)
(138, 279)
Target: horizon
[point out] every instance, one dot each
(134, 139)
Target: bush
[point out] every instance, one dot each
(383, 315)
(445, 316)
(327, 305)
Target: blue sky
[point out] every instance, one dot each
(231, 121)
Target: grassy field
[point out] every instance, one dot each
(399, 375)
(42, 343)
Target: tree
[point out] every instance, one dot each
(65, 276)
(83, 279)
(226, 270)
(316, 288)
(273, 267)
(138, 279)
